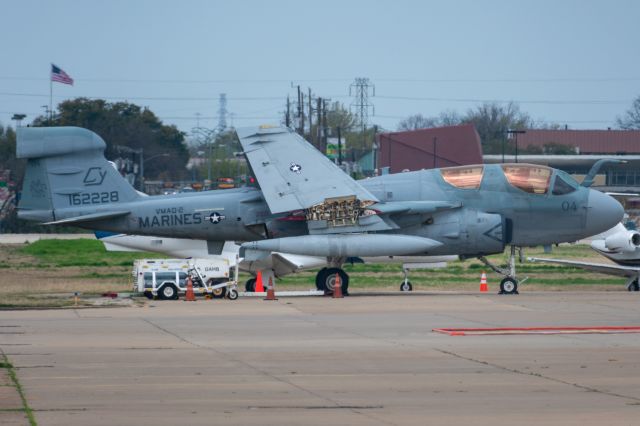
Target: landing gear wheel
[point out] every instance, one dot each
(509, 286)
(634, 286)
(406, 286)
(328, 280)
(250, 285)
(168, 292)
(320, 279)
(232, 294)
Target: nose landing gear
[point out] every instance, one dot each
(509, 285)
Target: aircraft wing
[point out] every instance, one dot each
(292, 174)
(603, 268)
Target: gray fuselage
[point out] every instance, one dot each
(490, 217)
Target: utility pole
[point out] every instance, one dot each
(310, 119)
(299, 115)
(287, 118)
(302, 114)
(435, 146)
(319, 112)
(325, 130)
(339, 147)
(360, 90)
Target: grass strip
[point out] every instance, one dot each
(14, 378)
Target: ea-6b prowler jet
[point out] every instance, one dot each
(306, 205)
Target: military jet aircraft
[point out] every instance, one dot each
(306, 205)
(621, 246)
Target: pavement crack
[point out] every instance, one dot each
(265, 373)
(534, 374)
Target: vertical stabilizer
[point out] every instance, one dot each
(67, 174)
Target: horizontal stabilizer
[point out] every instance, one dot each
(38, 142)
(89, 218)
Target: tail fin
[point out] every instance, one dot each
(67, 174)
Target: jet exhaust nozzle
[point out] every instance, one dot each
(623, 241)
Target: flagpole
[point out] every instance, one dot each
(50, 100)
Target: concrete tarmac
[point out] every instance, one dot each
(362, 360)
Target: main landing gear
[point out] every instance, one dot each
(633, 285)
(509, 285)
(326, 278)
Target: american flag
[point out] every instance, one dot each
(60, 76)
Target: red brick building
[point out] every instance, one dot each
(429, 148)
(585, 141)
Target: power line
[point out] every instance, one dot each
(542, 101)
(341, 79)
(387, 97)
(195, 81)
(142, 98)
(510, 80)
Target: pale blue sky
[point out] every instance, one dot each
(574, 62)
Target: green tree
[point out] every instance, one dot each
(122, 123)
(8, 151)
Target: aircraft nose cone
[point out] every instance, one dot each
(604, 212)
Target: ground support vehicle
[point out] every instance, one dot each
(166, 279)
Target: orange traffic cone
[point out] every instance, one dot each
(259, 288)
(271, 292)
(483, 283)
(190, 296)
(337, 288)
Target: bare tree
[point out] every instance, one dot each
(492, 121)
(418, 121)
(631, 119)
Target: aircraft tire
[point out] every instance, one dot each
(406, 286)
(328, 280)
(250, 285)
(634, 286)
(232, 294)
(320, 279)
(509, 285)
(168, 292)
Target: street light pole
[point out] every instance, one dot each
(515, 133)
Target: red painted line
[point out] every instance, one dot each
(537, 330)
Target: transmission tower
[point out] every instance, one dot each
(222, 112)
(361, 89)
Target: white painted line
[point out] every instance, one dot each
(283, 293)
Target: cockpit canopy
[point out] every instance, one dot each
(465, 177)
(537, 179)
(526, 177)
